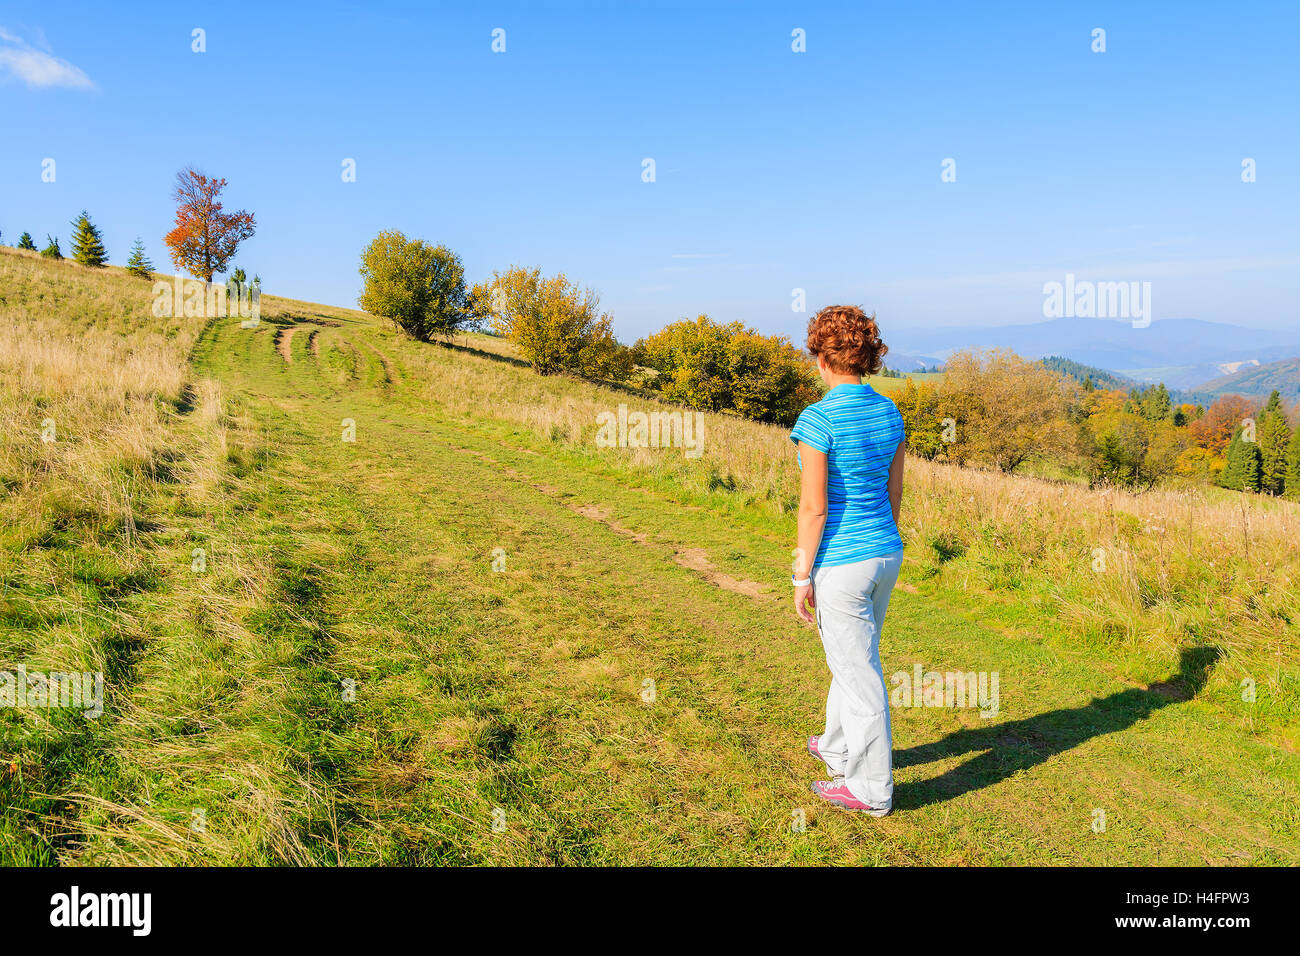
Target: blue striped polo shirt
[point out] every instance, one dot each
(859, 430)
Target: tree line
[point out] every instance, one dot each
(202, 242)
(87, 247)
(998, 409)
(558, 326)
(991, 408)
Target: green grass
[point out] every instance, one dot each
(516, 695)
(888, 386)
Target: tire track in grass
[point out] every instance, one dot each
(696, 559)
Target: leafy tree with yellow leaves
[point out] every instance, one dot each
(1006, 409)
(919, 406)
(556, 325)
(712, 366)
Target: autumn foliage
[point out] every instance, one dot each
(716, 366)
(1215, 429)
(556, 324)
(205, 237)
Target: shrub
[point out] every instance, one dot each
(919, 406)
(1198, 465)
(716, 367)
(556, 325)
(420, 287)
(1130, 450)
(52, 250)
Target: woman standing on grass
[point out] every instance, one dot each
(851, 457)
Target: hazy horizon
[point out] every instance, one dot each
(775, 170)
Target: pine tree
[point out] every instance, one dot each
(1291, 488)
(87, 243)
(139, 264)
(52, 251)
(25, 242)
(1156, 405)
(1241, 473)
(1274, 434)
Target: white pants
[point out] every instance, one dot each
(851, 603)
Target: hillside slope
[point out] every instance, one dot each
(432, 625)
(1257, 381)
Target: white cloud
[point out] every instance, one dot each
(36, 68)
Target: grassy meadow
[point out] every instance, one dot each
(889, 385)
(361, 600)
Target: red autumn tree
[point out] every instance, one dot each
(205, 238)
(1215, 428)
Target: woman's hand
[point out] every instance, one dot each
(803, 595)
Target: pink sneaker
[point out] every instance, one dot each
(837, 793)
(814, 748)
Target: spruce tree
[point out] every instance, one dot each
(139, 264)
(87, 243)
(1241, 473)
(1291, 488)
(1274, 435)
(25, 242)
(52, 251)
(1156, 405)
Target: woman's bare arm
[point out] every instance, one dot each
(812, 522)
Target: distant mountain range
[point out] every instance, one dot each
(902, 362)
(1186, 354)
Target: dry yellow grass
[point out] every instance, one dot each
(85, 384)
(134, 435)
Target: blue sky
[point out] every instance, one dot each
(775, 170)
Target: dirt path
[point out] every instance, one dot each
(284, 342)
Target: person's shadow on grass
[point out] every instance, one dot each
(1020, 744)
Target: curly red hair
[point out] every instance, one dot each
(847, 339)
